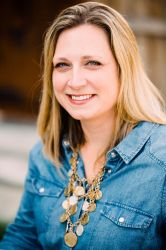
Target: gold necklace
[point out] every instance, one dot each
(75, 192)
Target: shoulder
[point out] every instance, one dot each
(37, 155)
(39, 163)
(158, 137)
(37, 149)
(158, 144)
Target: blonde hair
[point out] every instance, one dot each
(138, 100)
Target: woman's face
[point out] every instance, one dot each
(85, 75)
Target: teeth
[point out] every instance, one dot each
(81, 97)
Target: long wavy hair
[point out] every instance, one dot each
(138, 100)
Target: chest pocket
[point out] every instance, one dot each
(120, 226)
(125, 216)
(43, 187)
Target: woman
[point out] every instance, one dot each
(97, 178)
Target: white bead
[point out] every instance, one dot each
(70, 172)
(41, 190)
(65, 204)
(121, 219)
(85, 206)
(73, 200)
(79, 230)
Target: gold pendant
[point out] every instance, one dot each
(98, 194)
(70, 239)
(79, 191)
(73, 209)
(63, 217)
(85, 219)
(92, 207)
(91, 195)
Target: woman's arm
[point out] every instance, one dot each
(163, 230)
(22, 233)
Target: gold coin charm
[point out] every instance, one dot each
(91, 195)
(98, 194)
(73, 209)
(85, 219)
(70, 239)
(79, 191)
(92, 207)
(63, 217)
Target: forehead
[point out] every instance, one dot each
(86, 38)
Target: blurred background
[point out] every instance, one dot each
(22, 27)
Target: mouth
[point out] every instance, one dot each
(80, 98)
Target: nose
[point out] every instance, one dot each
(77, 79)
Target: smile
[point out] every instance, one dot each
(80, 97)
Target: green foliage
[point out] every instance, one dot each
(2, 229)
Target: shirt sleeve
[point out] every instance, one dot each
(163, 230)
(22, 233)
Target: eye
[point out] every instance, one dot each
(61, 65)
(93, 63)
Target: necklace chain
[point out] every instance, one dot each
(74, 192)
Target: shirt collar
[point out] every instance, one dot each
(128, 147)
(134, 141)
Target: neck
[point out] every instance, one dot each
(98, 133)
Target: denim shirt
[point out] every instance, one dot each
(131, 214)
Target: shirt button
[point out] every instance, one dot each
(66, 143)
(41, 190)
(121, 219)
(110, 171)
(113, 154)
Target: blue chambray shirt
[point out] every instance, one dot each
(131, 214)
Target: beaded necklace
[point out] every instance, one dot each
(75, 192)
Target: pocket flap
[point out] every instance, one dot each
(126, 216)
(44, 187)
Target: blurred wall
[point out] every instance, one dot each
(23, 24)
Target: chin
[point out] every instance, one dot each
(79, 117)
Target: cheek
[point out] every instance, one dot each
(58, 84)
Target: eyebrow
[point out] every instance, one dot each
(91, 56)
(85, 57)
